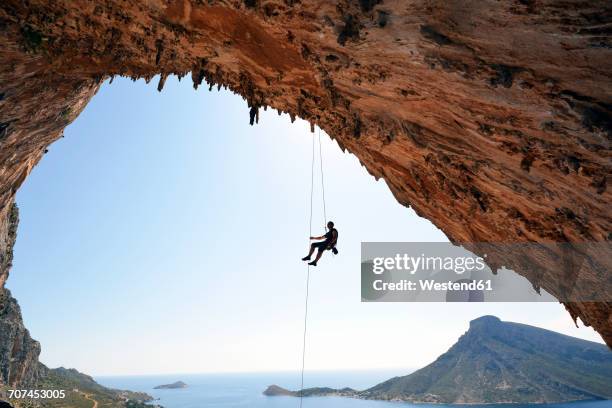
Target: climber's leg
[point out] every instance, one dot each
(319, 254)
(312, 248)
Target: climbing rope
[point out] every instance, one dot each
(307, 276)
(322, 184)
(304, 338)
(312, 166)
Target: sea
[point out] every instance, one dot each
(245, 390)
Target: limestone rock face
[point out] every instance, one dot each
(490, 118)
(9, 219)
(19, 366)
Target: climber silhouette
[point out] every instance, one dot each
(329, 242)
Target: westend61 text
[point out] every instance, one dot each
(432, 285)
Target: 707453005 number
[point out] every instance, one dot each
(36, 394)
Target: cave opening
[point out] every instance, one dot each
(156, 218)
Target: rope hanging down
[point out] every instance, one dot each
(322, 184)
(312, 166)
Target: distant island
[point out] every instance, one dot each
(496, 362)
(178, 384)
(276, 391)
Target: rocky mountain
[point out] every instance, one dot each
(491, 118)
(500, 362)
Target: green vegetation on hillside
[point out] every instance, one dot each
(81, 391)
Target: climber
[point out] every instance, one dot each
(330, 240)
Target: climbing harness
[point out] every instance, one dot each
(312, 166)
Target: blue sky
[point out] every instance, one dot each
(164, 234)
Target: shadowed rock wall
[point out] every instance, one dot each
(19, 365)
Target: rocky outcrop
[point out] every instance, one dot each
(18, 351)
(9, 219)
(19, 366)
(276, 391)
(491, 119)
